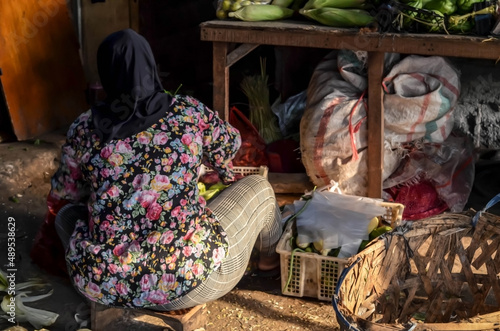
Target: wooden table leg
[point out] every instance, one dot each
(221, 80)
(224, 58)
(375, 124)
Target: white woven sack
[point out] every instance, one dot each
(327, 144)
(421, 94)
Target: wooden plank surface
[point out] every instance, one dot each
(305, 34)
(297, 183)
(42, 76)
(116, 318)
(240, 52)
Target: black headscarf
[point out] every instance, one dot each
(135, 98)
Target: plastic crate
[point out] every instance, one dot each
(245, 171)
(312, 274)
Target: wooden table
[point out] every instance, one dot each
(232, 40)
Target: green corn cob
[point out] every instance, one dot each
(282, 3)
(315, 4)
(338, 17)
(253, 13)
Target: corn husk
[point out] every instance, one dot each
(256, 13)
(339, 17)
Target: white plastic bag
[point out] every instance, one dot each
(337, 220)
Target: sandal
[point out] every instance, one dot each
(272, 273)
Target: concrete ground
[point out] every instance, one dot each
(25, 171)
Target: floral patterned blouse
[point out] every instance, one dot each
(149, 238)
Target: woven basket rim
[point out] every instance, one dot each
(428, 226)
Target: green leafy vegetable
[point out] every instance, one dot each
(446, 7)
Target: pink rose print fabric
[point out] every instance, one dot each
(149, 238)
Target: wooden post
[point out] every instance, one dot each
(375, 124)
(221, 80)
(223, 60)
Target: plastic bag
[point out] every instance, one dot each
(337, 220)
(289, 113)
(252, 152)
(434, 177)
(421, 200)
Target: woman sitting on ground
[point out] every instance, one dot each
(136, 232)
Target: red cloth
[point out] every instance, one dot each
(421, 200)
(47, 251)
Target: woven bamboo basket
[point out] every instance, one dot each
(441, 273)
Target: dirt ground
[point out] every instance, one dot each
(25, 170)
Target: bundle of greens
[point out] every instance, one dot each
(449, 16)
(261, 116)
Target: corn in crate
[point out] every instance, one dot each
(439, 273)
(210, 185)
(310, 274)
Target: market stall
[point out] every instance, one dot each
(232, 40)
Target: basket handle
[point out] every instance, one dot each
(335, 297)
(490, 204)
